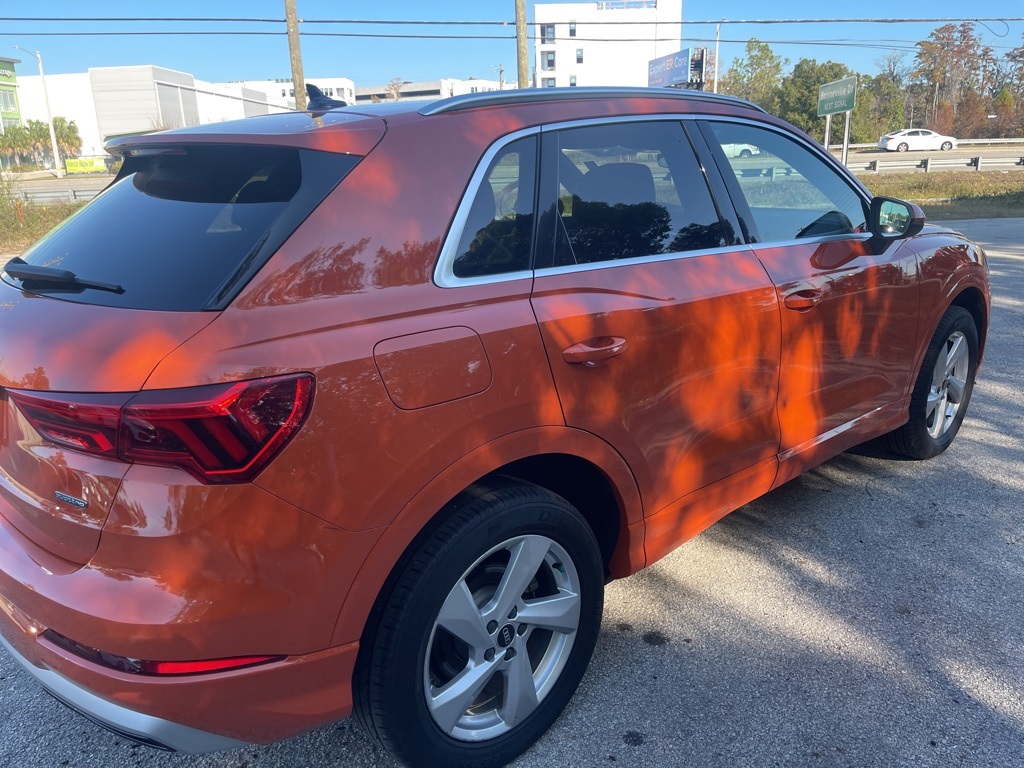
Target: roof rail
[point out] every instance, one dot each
(534, 95)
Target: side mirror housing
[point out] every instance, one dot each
(892, 219)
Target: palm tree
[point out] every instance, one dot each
(69, 142)
(15, 142)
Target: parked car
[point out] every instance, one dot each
(297, 421)
(915, 139)
(739, 150)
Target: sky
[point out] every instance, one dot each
(375, 61)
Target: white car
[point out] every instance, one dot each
(740, 150)
(914, 139)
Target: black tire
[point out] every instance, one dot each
(903, 147)
(456, 572)
(746, 153)
(939, 400)
(946, 146)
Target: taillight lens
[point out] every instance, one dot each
(222, 433)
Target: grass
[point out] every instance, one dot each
(21, 223)
(955, 194)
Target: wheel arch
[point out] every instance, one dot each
(574, 464)
(973, 300)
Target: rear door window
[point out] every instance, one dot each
(183, 229)
(631, 190)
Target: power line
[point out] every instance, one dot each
(427, 22)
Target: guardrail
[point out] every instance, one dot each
(929, 164)
(59, 195)
(960, 142)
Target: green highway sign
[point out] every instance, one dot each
(836, 97)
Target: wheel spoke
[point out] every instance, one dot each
(460, 616)
(935, 397)
(953, 357)
(956, 387)
(449, 703)
(520, 690)
(525, 560)
(938, 425)
(559, 613)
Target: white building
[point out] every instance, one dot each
(340, 88)
(112, 101)
(603, 43)
(431, 89)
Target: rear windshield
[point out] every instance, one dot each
(184, 229)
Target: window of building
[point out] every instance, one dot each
(619, 195)
(572, 81)
(549, 60)
(791, 193)
(579, 55)
(548, 82)
(547, 34)
(7, 101)
(572, 29)
(499, 228)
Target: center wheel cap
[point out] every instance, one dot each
(506, 635)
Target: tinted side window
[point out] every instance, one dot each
(499, 229)
(791, 192)
(628, 190)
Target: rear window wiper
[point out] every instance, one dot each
(22, 270)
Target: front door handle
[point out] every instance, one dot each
(801, 301)
(594, 352)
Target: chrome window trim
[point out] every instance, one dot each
(638, 260)
(444, 270)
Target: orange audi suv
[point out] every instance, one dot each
(358, 409)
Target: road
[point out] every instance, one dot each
(868, 613)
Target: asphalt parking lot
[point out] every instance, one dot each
(869, 613)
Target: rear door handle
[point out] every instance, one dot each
(801, 301)
(594, 352)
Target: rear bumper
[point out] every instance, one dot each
(191, 713)
(149, 730)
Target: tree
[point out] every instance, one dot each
(15, 143)
(943, 120)
(798, 94)
(38, 141)
(894, 68)
(880, 109)
(950, 62)
(971, 117)
(394, 88)
(69, 141)
(757, 76)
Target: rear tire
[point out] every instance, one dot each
(943, 389)
(903, 147)
(486, 631)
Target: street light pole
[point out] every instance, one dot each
(57, 167)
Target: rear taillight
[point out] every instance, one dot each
(222, 433)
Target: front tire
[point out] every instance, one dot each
(946, 146)
(486, 632)
(943, 389)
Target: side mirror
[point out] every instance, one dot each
(892, 219)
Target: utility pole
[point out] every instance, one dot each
(521, 63)
(58, 168)
(718, 34)
(295, 54)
